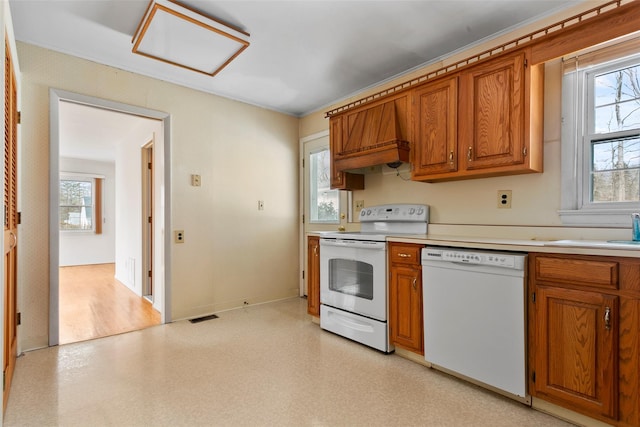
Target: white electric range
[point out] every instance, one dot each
(353, 272)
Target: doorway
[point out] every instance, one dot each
(316, 197)
(147, 220)
(127, 261)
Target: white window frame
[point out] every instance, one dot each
(313, 203)
(83, 177)
(576, 208)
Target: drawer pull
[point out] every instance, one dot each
(401, 255)
(415, 279)
(607, 318)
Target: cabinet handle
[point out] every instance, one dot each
(401, 255)
(469, 153)
(607, 318)
(315, 250)
(451, 156)
(415, 279)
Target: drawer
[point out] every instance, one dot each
(405, 253)
(600, 273)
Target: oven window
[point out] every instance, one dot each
(351, 278)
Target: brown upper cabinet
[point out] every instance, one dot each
(479, 117)
(435, 119)
(484, 121)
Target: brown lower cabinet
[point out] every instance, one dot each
(313, 276)
(405, 297)
(584, 319)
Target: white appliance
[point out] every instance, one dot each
(353, 272)
(474, 316)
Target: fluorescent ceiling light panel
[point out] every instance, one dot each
(173, 33)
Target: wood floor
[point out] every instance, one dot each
(94, 304)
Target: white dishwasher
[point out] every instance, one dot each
(474, 316)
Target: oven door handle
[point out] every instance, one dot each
(353, 244)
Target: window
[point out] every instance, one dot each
(601, 138)
(614, 133)
(80, 203)
(324, 203)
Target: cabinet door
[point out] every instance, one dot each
(341, 180)
(435, 132)
(335, 145)
(313, 276)
(492, 114)
(405, 307)
(576, 358)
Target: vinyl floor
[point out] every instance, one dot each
(263, 365)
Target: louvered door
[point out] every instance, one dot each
(10, 222)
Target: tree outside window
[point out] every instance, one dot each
(76, 204)
(615, 136)
(324, 202)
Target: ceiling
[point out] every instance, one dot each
(303, 55)
(93, 133)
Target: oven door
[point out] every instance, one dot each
(353, 276)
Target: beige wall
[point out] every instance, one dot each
(232, 252)
(536, 197)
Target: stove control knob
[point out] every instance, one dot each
(420, 211)
(363, 212)
(368, 212)
(412, 211)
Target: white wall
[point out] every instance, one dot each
(129, 215)
(83, 248)
(128, 174)
(232, 252)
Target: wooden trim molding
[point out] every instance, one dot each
(98, 205)
(177, 48)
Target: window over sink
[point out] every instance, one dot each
(601, 136)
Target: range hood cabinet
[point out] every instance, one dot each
(374, 136)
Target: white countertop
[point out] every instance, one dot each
(583, 247)
(624, 248)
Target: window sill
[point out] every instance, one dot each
(615, 218)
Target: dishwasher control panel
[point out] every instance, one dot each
(494, 259)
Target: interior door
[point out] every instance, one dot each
(147, 220)
(10, 223)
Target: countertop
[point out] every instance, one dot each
(625, 248)
(568, 246)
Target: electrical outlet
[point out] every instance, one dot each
(195, 181)
(504, 199)
(359, 205)
(178, 236)
(260, 205)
